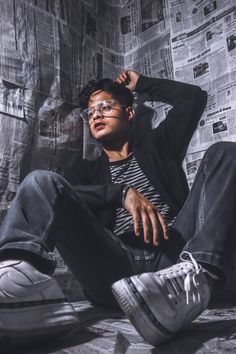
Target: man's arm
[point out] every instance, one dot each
(117, 196)
(171, 136)
(80, 174)
(101, 196)
(188, 103)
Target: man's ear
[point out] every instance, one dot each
(130, 112)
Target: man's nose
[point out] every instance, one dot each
(97, 114)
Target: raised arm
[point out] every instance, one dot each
(188, 103)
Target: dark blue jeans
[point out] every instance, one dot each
(47, 212)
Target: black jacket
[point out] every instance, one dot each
(159, 152)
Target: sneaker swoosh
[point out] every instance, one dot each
(27, 290)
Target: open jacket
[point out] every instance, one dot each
(159, 152)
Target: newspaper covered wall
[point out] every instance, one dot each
(49, 49)
(40, 72)
(204, 53)
(102, 53)
(145, 32)
(192, 41)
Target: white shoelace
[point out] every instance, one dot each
(191, 279)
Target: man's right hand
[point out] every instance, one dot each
(129, 79)
(142, 210)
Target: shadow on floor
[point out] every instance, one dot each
(45, 344)
(210, 337)
(213, 332)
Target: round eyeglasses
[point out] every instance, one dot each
(104, 108)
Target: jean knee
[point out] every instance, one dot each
(42, 177)
(222, 146)
(222, 149)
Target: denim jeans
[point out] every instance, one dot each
(47, 212)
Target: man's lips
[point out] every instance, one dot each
(98, 125)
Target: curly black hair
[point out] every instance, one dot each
(119, 92)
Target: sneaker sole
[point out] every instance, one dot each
(36, 321)
(141, 320)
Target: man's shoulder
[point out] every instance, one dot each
(93, 166)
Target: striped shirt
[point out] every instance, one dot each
(127, 171)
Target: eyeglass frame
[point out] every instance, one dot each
(84, 113)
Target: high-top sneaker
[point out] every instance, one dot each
(160, 304)
(31, 303)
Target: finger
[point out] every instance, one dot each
(125, 76)
(125, 73)
(121, 81)
(154, 221)
(136, 219)
(124, 79)
(164, 226)
(146, 226)
(118, 80)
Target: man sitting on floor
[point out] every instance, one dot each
(126, 217)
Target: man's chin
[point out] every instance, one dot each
(103, 139)
(97, 137)
(100, 135)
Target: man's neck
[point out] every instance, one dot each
(119, 152)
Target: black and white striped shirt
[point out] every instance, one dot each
(128, 171)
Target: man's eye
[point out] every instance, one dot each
(90, 112)
(106, 107)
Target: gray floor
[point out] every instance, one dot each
(105, 332)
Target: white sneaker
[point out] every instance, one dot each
(160, 304)
(31, 303)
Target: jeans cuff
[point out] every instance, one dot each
(212, 259)
(43, 260)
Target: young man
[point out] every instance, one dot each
(123, 214)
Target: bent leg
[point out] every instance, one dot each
(161, 303)
(207, 221)
(47, 212)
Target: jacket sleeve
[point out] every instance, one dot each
(188, 103)
(101, 196)
(97, 196)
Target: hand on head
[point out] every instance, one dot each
(128, 78)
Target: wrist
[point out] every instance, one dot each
(124, 193)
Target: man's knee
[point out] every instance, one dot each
(224, 149)
(42, 177)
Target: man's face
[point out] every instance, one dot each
(113, 123)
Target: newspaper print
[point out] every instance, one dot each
(204, 51)
(40, 76)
